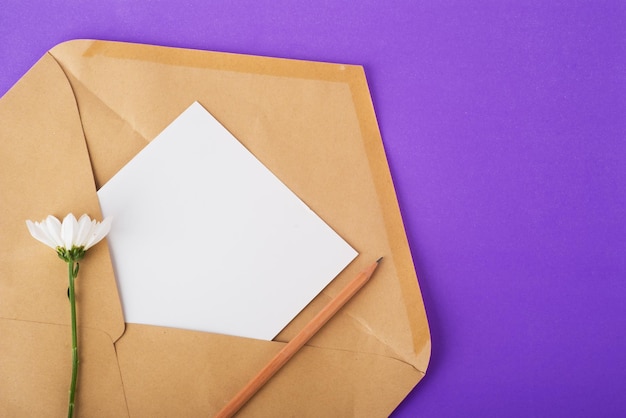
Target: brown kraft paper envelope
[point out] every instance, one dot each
(81, 113)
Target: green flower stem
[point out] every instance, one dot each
(73, 272)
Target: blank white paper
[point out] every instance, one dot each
(204, 237)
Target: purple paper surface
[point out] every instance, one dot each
(505, 128)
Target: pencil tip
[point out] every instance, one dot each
(378, 261)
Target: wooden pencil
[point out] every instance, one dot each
(293, 346)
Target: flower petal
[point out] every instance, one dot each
(69, 228)
(53, 229)
(84, 229)
(38, 232)
(99, 232)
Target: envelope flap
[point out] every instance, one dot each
(316, 382)
(46, 170)
(36, 367)
(312, 124)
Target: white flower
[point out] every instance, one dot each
(70, 239)
(82, 234)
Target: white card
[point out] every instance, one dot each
(204, 237)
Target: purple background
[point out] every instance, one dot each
(505, 128)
